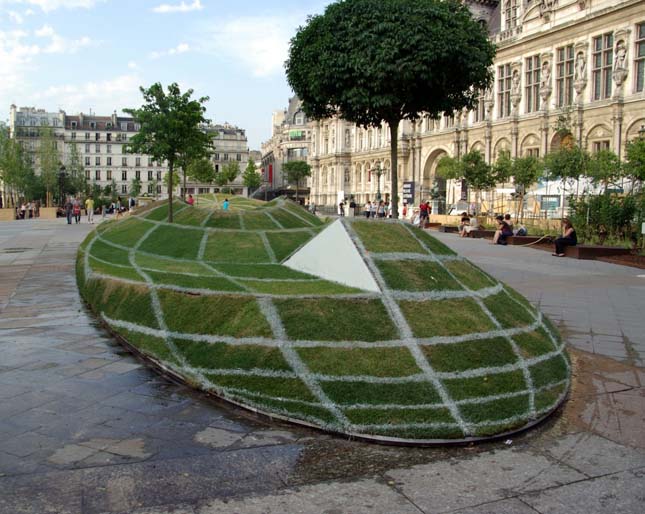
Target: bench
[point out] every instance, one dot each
(433, 225)
(480, 233)
(591, 252)
(524, 240)
(448, 229)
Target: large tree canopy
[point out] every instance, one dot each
(370, 61)
(170, 129)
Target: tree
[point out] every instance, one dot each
(76, 181)
(605, 168)
(16, 171)
(229, 173)
(251, 178)
(135, 187)
(472, 168)
(167, 179)
(201, 170)
(525, 171)
(170, 129)
(49, 161)
(296, 171)
(635, 161)
(374, 61)
(567, 164)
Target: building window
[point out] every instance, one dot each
(158, 190)
(158, 175)
(137, 175)
(533, 152)
(87, 135)
(504, 90)
(124, 175)
(97, 174)
(479, 112)
(109, 161)
(73, 124)
(124, 125)
(87, 174)
(639, 64)
(602, 59)
(150, 173)
(510, 14)
(97, 161)
(564, 76)
(226, 157)
(150, 189)
(124, 161)
(109, 149)
(108, 136)
(92, 124)
(600, 145)
(87, 161)
(73, 135)
(109, 175)
(97, 136)
(87, 148)
(216, 157)
(239, 157)
(124, 189)
(137, 161)
(532, 84)
(97, 148)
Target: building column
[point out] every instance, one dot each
(617, 125)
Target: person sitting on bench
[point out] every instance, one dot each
(568, 238)
(502, 232)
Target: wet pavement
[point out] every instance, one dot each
(86, 428)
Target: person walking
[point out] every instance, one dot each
(423, 214)
(76, 210)
(569, 238)
(367, 209)
(341, 208)
(68, 210)
(89, 209)
(225, 204)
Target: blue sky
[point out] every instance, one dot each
(79, 55)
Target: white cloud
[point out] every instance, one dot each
(59, 44)
(16, 17)
(102, 97)
(248, 41)
(181, 48)
(52, 5)
(132, 65)
(44, 31)
(181, 7)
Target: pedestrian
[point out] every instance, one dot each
(191, 200)
(76, 210)
(423, 214)
(352, 207)
(380, 210)
(502, 232)
(373, 210)
(68, 210)
(367, 209)
(341, 208)
(225, 204)
(569, 238)
(89, 209)
(117, 208)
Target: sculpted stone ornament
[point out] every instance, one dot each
(516, 91)
(546, 9)
(580, 75)
(489, 102)
(620, 66)
(545, 82)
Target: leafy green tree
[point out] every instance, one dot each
(525, 172)
(472, 168)
(568, 163)
(16, 170)
(170, 129)
(296, 171)
(605, 169)
(251, 178)
(135, 187)
(374, 61)
(168, 180)
(49, 162)
(635, 161)
(201, 170)
(76, 181)
(228, 174)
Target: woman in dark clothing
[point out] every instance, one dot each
(502, 232)
(568, 238)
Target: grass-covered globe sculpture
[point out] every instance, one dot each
(364, 327)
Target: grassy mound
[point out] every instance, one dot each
(443, 351)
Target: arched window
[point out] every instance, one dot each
(299, 118)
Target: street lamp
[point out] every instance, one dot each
(61, 183)
(378, 171)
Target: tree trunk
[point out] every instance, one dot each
(394, 189)
(183, 193)
(297, 184)
(170, 171)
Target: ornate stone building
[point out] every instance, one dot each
(573, 63)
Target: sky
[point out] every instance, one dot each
(82, 55)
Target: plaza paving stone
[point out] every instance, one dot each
(86, 428)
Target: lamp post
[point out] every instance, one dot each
(378, 171)
(61, 184)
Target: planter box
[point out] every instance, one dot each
(48, 213)
(7, 214)
(591, 252)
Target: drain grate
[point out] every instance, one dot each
(16, 250)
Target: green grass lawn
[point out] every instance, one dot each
(223, 299)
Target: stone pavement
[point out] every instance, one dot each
(85, 428)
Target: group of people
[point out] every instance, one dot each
(28, 210)
(377, 209)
